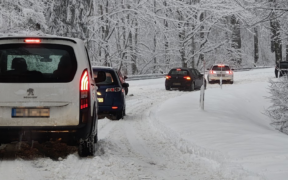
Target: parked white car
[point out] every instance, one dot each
(47, 92)
(218, 71)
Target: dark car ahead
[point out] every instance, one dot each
(184, 78)
(110, 93)
(281, 69)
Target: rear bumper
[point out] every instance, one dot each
(109, 110)
(67, 134)
(216, 78)
(178, 84)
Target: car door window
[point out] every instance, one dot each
(197, 72)
(193, 73)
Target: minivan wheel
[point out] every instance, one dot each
(82, 149)
(167, 88)
(88, 147)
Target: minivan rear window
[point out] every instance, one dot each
(36, 63)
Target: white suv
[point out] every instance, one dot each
(218, 71)
(47, 91)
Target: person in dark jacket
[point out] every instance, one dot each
(277, 69)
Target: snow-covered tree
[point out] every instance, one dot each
(22, 17)
(278, 111)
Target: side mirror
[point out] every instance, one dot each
(125, 85)
(101, 76)
(208, 69)
(125, 77)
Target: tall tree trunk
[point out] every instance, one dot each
(276, 42)
(166, 45)
(135, 49)
(236, 38)
(155, 43)
(256, 46)
(286, 52)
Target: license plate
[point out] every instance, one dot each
(219, 75)
(177, 84)
(30, 112)
(100, 100)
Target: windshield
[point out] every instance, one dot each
(37, 63)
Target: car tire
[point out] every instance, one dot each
(192, 87)
(88, 147)
(205, 85)
(120, 114)
(167, 88)
(126, 91)
(231, 82)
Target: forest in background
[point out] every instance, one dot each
(152, 36)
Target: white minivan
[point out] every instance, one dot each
(47, 92)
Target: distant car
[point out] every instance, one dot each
(122, 79)
(220, 70)
(281, 69)
(110, 93)
(47, 92)
(184, 78)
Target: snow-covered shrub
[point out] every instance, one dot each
(279, 109)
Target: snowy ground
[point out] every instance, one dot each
(165, 135)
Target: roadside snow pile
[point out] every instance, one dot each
(232, 132)
(278, 110)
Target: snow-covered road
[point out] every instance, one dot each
(133, 148)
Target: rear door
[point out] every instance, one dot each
(38, 84)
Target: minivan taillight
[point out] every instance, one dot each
(84, 90)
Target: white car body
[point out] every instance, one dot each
(61, 99)
(218, 71)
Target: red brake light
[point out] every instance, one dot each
(84, 81)
(168, 77)
(32, 40)
(187, 77)
(221, 65)
(84, 90)
(212, 72)
(178, 69)
(229, 72)
(114, 107)
(116, 89)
